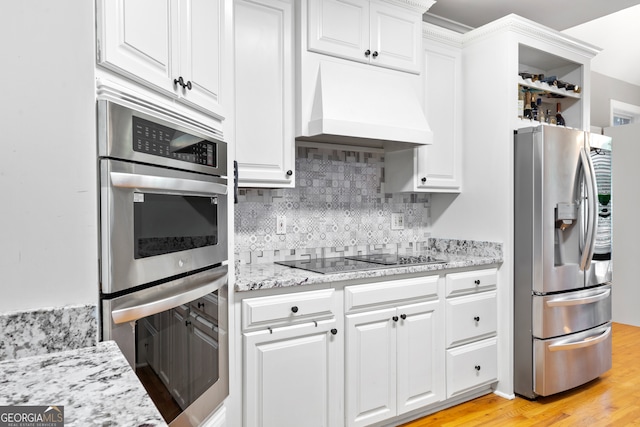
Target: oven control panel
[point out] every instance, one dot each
(158, 140)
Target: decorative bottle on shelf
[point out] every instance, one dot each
(541, 115)
(534, 107)
(527, 104)
(559, 118)
(520, 102)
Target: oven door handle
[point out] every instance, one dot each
(166, 296)
(161, 183)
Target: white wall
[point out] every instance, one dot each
(603, 90)
(625, 200)
(48, 208)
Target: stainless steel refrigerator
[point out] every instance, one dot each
(562, 273)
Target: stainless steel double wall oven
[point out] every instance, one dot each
(163, 256)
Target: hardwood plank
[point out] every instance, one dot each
(611, 400)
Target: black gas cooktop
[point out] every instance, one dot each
(359, 262)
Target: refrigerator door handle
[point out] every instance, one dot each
(587, 342)
(579, 301)
(590, 180)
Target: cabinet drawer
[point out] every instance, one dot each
(287, 309)
(471, 282)
(363, 296)
(471, 317)
(471, 366)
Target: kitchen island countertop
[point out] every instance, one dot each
(251, 277)
(96, 386)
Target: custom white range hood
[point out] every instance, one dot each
(366, 106)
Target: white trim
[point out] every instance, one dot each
(622, 109)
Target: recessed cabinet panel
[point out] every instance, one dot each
(471, 366)
(439, 164)
(264, 93)
(339, 28)
(174, 47)
(369, 31)
(290, 376)
(419, 365)
(370, 367)
(125, 47)
(395, 36)
(201, 52)
(471, 318)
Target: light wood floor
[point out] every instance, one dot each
(611, 400)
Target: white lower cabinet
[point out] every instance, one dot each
(293, 372)
(394, 359)
(471, 366)
(471, 328)
(398, 347)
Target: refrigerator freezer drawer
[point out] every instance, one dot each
(569, 312)
(563, 363)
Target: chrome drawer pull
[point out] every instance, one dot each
(587, 342)
(579, 301)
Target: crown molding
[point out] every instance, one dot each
(446, 23)
(419, 5)
(441, 35)
(519, 25)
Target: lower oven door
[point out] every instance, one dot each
(566, 362)
(174, 335)
(157, 223)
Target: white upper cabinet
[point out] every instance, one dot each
(171, 46)
(369, 31)
(264, 93)
(436, 168)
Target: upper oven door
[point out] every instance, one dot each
(157, 223)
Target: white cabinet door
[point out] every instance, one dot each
(339, 28)
(440, 165)
(161, 43)
(374, 32)
(291, 376)
(200, 52)
(435, 168)
(135, 39)
(264, 93)
(370, 367)
(420, 363)
(395, 37)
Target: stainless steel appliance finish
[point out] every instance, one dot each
(178, 329)
(163, 257)
(562, 297)
(158, 222)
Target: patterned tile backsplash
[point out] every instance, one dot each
(338, 204)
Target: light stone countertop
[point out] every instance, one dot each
(252, 277)
(96, 386)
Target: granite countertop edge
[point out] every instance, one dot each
(252, 277)
(95, 385)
